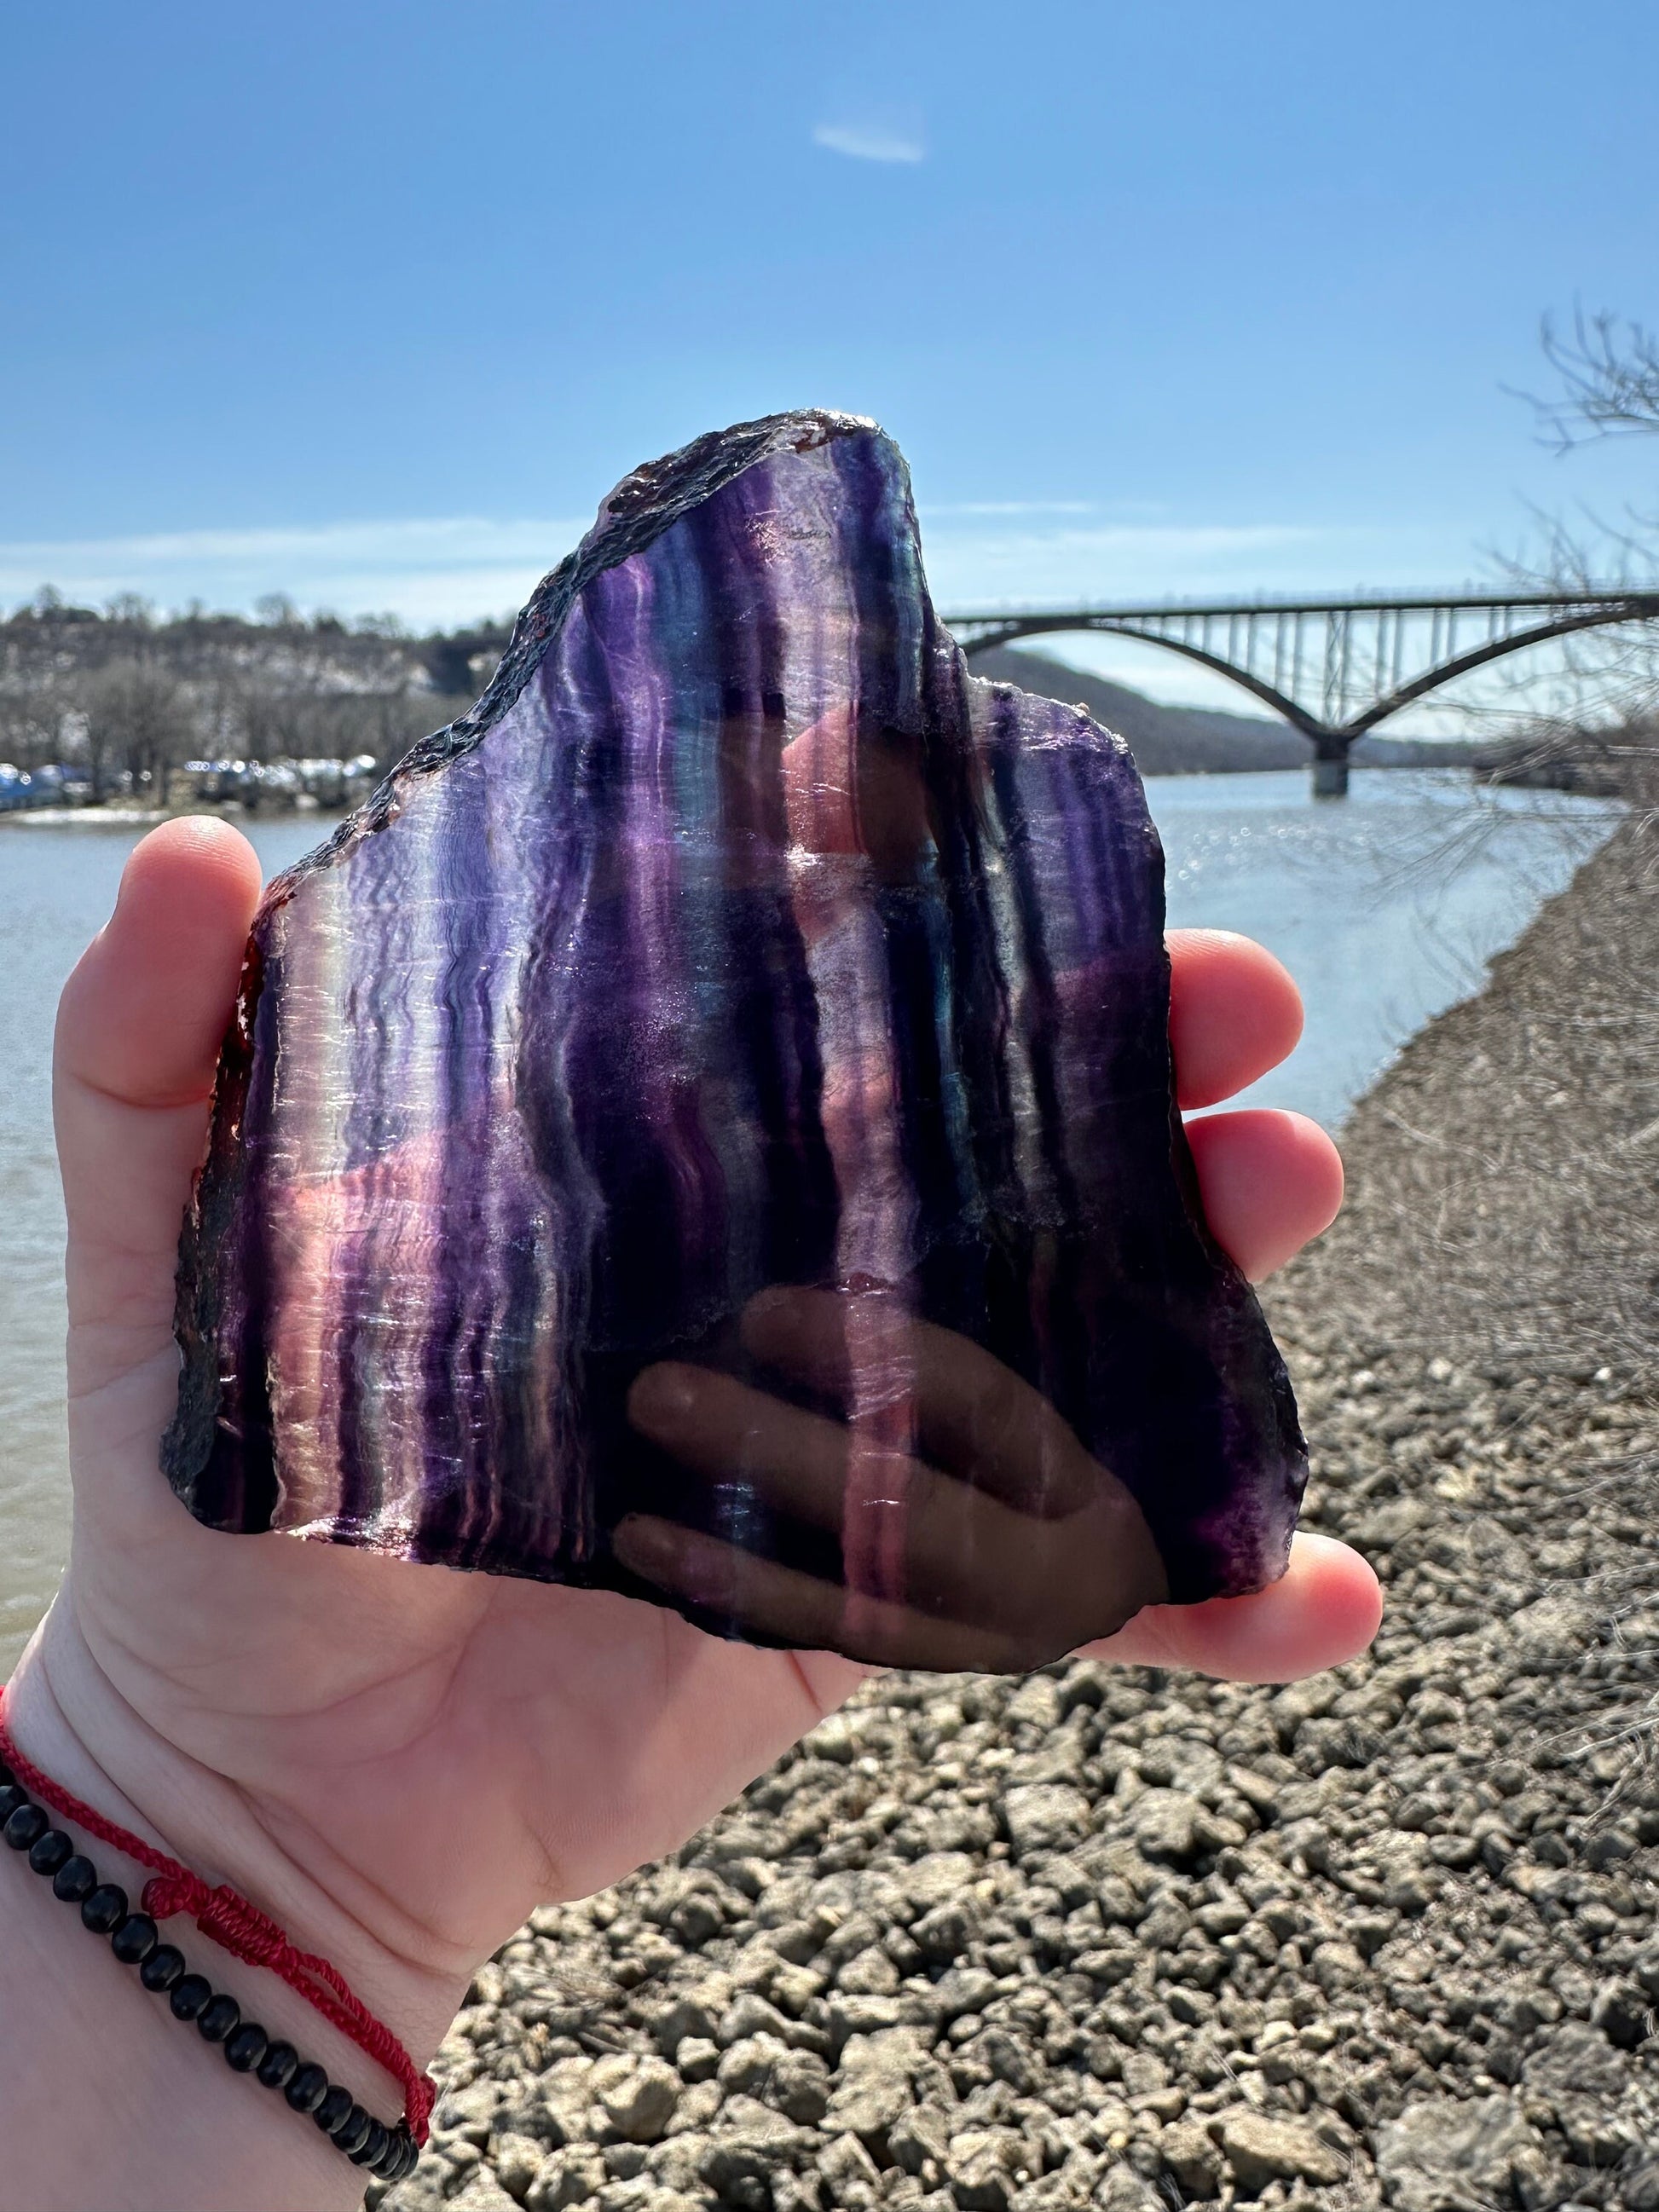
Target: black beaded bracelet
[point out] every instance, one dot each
(388, 2154)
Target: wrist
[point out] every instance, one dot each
(66, 1718)
(106, 2100)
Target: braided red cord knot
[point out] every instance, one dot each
(227, 1919)
(234, 1925)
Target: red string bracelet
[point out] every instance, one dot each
(227, 1919)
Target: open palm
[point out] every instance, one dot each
(433, 1753)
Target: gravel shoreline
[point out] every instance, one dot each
(1119, 1938)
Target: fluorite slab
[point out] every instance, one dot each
(704, 1127)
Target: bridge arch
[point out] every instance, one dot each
(1431, 680)
(1049, 626)
(1562, 615)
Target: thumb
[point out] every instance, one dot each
(1322, 1611)
(139, 1027)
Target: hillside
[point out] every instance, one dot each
(1192, 740)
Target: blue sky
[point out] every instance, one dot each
(371, 303)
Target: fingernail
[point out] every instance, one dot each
(663, 1396)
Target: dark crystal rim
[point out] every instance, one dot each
(648, 501)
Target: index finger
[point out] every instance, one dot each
(1234, 1013)
(975, 1418)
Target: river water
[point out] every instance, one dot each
(1384, 908)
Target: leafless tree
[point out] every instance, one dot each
(1607, 380)
(31, 728)
(1603, 730)
(139, 718)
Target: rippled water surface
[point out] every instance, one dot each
(1384, 908)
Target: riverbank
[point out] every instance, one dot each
(1107, 1938)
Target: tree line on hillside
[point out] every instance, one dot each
(123, 698)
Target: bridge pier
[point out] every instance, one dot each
(1330, 766)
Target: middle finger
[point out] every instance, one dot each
(1234, 1013)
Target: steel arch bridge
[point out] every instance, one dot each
(1333, 668)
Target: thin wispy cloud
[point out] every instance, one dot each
(439, 572)
(433, 571)
(1010, 507)
(872, 140)
(984, 563)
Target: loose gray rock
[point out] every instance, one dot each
(1442, 2155)
(566, 2176)
(1576, 2061)
(844, 2165)
(1262, 2147)
(1045, 1816)
(962, 1990)
(686, 2015)
(637, 2096)
(423, 2192)
(945, 1933)
(1126, 2190)
(484, 2193)
(1164, 1821)
(918, 2140)
(794, 2082)
(516, 2160)
(1554, 1629)
(749, 2015)
(1539, 2184)
(747, 2066)
(468, 2112)
(939, 1877)
(751, 2144)
(868, 2103)
(1623, 2012)
(697, 2059)
(869, 1972)
(984, 2166)
(1192, 2154)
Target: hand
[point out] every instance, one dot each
(1015, 1544)
(1012, 1545)
(400, 1762)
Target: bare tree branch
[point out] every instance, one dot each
(1609, 380)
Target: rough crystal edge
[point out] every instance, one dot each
(637, 511)
(646, 502)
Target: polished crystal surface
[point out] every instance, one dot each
(705, 1128)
